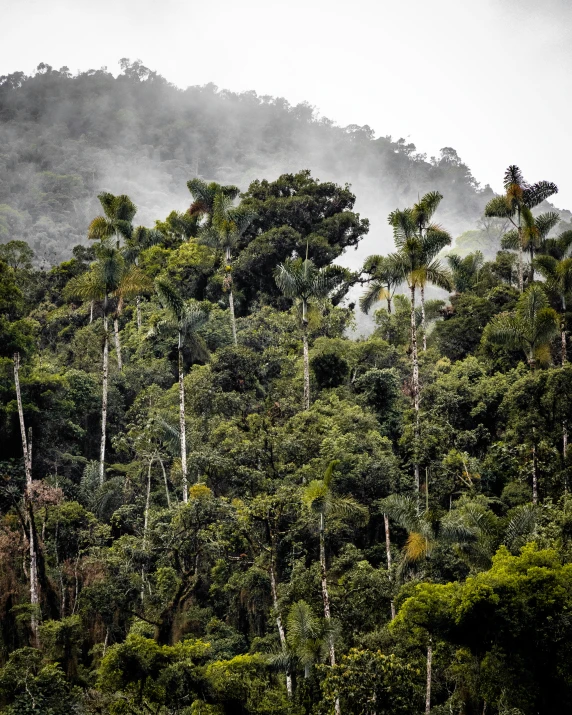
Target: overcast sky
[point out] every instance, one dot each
(491, 78)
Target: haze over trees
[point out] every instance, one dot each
(214, 500)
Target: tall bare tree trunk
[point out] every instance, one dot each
(520, 263)
(534, 476)
(325, 595)
(166, 481)
(117, 343)
(326, 599)
(279, 624)
(91, 312)
(182, 428)
(146, 524)
(105, 376)
(423, 323)
(27, 452)
(138, 311)
(415, 385)
(231, 299)
(428, 687)
(388, 556)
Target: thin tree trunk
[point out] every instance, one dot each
(306, 371)
(534, 476)
(166, 481)
(91, 312)
(182, 428)
(326, 598)
(325, 595)
(428, 688)
(423, 324)
(564, 351)
(279, 624)
(138, 311)
(117, 343)
(520, 266)
(146, 524)
(388, 556)
(388, 302)
(232, 318)
(27, 452)
(105, 376)
(531, 277)
(415, 361)
(231, 300)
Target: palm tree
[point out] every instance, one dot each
(308, 636)
(318, 496)
(138, 241)
(465, 271)
(116, 222)
(531, 327)
(301, 281)
(558, 277)
(418, 243)
(382, 283)
(99, 283)
(535, 230)
(519, 195)
(205, 197)
(224, 232)
(186, 318)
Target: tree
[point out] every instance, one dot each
(534, 232)
(519, 197)
(418, 242)
(384, 279)
(205, 198)
(301, 281)
(115, 223)
(531, 326)
(141, 239)
(558, 277)
(103, 279)
(223, 232)
(186, 318)
(323, 503)
(465, 271)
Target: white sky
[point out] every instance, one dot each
(491, 78)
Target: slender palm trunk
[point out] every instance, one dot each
(388, 300)
(415, 361)
(231, 301)
(91, 312)
(564, 351)
(531, 277)
(146, 524)
(326, 598)
(279, 624)
(117, 343)
(534, 476)
(306, 358)
(138, 309)
(520, 266)
(27, 451)
(423, 324)
(388, 556)
(428, 686)
(166, 482)
(105, 378)
(325, 595)
(182, 428)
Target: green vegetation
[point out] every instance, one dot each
(240, 509)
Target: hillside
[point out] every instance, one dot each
(64, 138)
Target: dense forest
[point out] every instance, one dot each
(212, 499)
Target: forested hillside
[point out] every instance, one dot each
(65, 138)
(213, 501)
